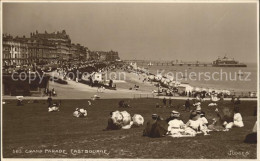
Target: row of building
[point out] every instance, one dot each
(43, 48)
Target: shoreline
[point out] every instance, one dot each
(218, 85)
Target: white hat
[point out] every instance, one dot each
(175, 113)
(198, 108)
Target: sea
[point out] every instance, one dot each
(241, 79)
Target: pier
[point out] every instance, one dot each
(168, 63)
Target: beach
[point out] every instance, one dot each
(202, 82)
(125, 82)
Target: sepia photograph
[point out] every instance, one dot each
(129, 79)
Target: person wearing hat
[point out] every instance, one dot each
(114, 121)
(194, 125)
(203, 118)
(157, 127)
(176, 126)
(172, 116)
(204, 121)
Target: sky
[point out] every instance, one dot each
(150, 31)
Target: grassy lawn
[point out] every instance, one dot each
(31, 127)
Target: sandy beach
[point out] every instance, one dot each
(74, 90)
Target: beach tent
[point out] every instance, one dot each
(151, 77)
(211, 90)
(204, 89)
(168, 80)
(163, 79)
(197, 89)
(177, 83)
(158, 77)
(226, 92)
(218, 91)
(186, 87)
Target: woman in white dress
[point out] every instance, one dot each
(176, 126)
(238, 120)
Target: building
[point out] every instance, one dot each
(44, 48)
(93, 55)
(79, 52)
(108, 56)
(52, 45)
(15, 52)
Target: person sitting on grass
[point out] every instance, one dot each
(119, 120)
(252, 137)
(222, 122)
(112, 123)
(228, 118)
(176, 126)
(194, 125)
(157, 127)
(204, 121)
(123, 104)
(172, 116)
(238, 121)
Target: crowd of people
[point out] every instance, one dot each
(168, 86)
(198, 123)
(174, 126)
